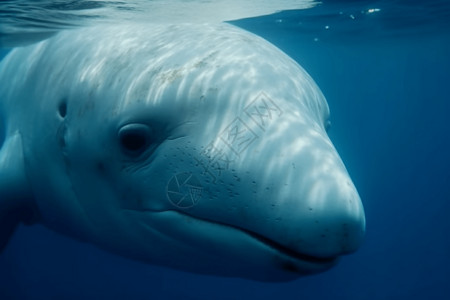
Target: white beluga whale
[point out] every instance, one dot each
(193, 146)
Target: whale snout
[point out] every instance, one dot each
(309, 201)
(332, 224)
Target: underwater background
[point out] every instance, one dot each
(384, 67)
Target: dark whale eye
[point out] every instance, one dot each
(134, 138)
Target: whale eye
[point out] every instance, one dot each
(134, 138)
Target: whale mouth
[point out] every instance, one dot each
(284, 257)
(325, 262)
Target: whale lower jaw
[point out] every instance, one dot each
(276, 256)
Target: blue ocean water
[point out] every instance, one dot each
(384, 67)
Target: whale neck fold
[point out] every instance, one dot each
(15, 192)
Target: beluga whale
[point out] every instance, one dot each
(199, 147)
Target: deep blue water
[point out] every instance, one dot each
(386, 77)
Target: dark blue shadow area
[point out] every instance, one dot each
(3, 53)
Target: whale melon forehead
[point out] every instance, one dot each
(183, 64)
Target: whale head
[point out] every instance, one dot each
(198, 147)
